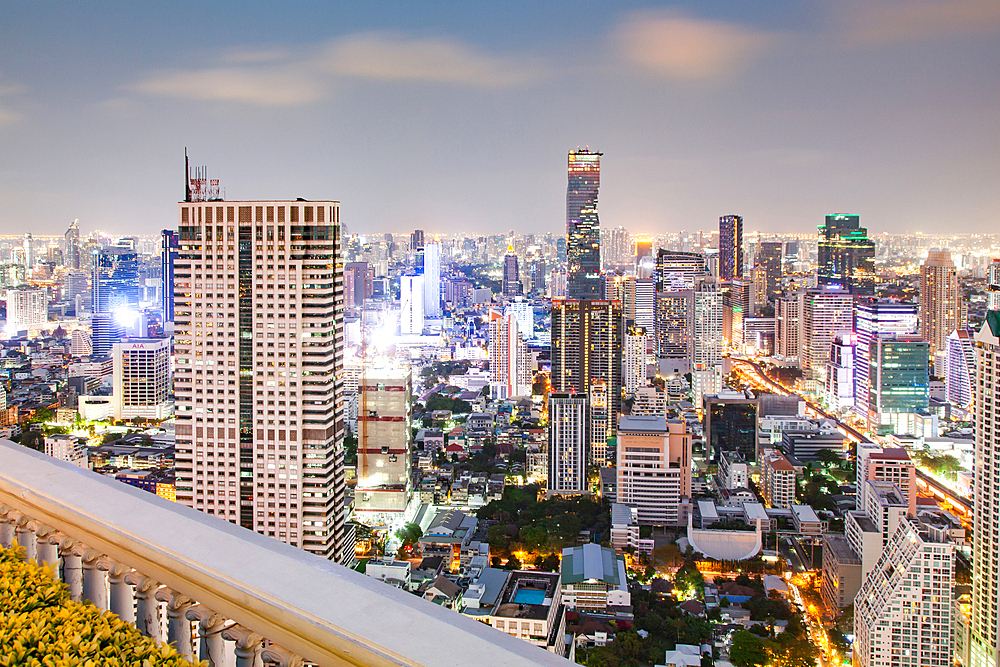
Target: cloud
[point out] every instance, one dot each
(893, 21)
(680, 47)
(393, 57)
(277, 78)
(7, 115)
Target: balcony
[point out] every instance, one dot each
(223, 589)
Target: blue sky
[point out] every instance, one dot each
(458, 116)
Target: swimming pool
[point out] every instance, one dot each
(529, 596)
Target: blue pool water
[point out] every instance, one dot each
(528, 596)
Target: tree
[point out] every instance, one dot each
(747, 650)
(409, 534)
(828, 457)
(512, 563)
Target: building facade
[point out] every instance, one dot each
(510, 361)
(385, 482)
(730, 247)
(26, 308)
(587, 339)
(142, 378)
(846, 256)
(654, 468)
(583, 228)
(568, 438)
(941, 306)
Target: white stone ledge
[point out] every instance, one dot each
(322, 611)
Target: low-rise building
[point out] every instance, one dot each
(624, 526)
(593, 579)
(521, 603)
(395, 572)
(66, 448)
(777, 479)
(733, 472)
(806, 522)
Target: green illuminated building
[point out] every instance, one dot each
(846, 255)
(899, 380)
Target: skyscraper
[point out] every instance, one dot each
(730, 247)
(640, 302)
(587, 341)
(675, 325)
(846, 256)
(416, 239)
(568, 421)
(432, 280)
(510, 361)
(511, 285)
(960, 367)
(72, 257)
(169, 249)
(940, 299)
(364, 279)
(678, 270)
(26, 308)
(411, 305)
(634, 374)
(141, 378)
(583, 229)
(825, 312)
(259, 351)
(708, 341)
(769, 259)
(385, 485)
(116, 280)
(898, 381)
(873, 317)
(986, 515)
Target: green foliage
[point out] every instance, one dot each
(41, 626)
(409, 534)
(747, 650)
(441, 402)
(351, 449)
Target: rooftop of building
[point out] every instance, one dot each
(621, 515)
(528, 594)
(888, 493)
(642, 424)
(592, 562)
(805, 513)
(840, 548)
(864, 523)
(893, 453)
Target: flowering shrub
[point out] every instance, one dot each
(41, 627)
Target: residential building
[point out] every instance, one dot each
(730, 247)
(777, 479)
(733, 471)
(825, 313)
(678, 271)
(650, 400)
(432, 280)
(568, 456)
(986, 514)
(902, 615)
(889, 464)
(583, 237)
(640, 302)
(624, 524)
(788, 327)
(654, 468)
(260, 429)
(510, 360)
(525, 604)
(708, 342)
(26, 308)
(411, 305)
(634, 371)
(142, 378)
(768, 258)
(683, 655)
(886, 506)
(587, 339)
(593, 579)
(960, 367)
(169, 251)
(511, 285)
(384, 470)
(839, 394)
(941, 305)
(599, 430)
(738, 308)
(675, 325)
(68, 448)
(841, 572)
(846, 255)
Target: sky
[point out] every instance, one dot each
(456, 117)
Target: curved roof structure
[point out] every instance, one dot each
(725, 544)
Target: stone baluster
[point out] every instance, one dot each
(282, 657)
(147, 618)
(7, 520)
(211, 645)
(95, 585)
(122, 597)
(248, 645)
(26, 537)
(48, 548)
(178, 626)
(72, 568)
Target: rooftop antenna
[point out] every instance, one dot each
(187, 176)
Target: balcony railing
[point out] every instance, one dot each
(138, 555)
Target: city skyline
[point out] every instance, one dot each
(811, 86)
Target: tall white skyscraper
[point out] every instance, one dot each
(634, 372)
(825, 312)
(525, 314)
(708, 341)
(141, 378)
(259, 307)
(510, 361)
(432, 280)
(941, 306)
(568, 421)
(986, 515)
(960, 367)
(411, 304)
(26, 308)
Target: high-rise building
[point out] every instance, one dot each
(141, 378)
(432, 280)
(116, 280)
(169, 249)
(871, 318)
(568, 421)
(363, 276)
(678, 270)
(846, 256)
(777, 479)
(586, 346)
(986, 514)
(730, 247)
(738, 307)
(708, 343)
(885, 465)
(599, 430)
(643, 248)
(26, 308)
(903, 614)
(583, 237)
(81, 343)
(654, 468)
(788, 328)
(416, 239)
(960, 367)
(106, 331)
(675, 325)
(510, 361)
(385, 484)
(640, 302)
(940, 299)
(259, 381)
(411, 305)
(839, 391)
(616, 247)
(71, 258)
(634, 374)
(511, 285)
(898, 381)
(769, 260)
(825, 312)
